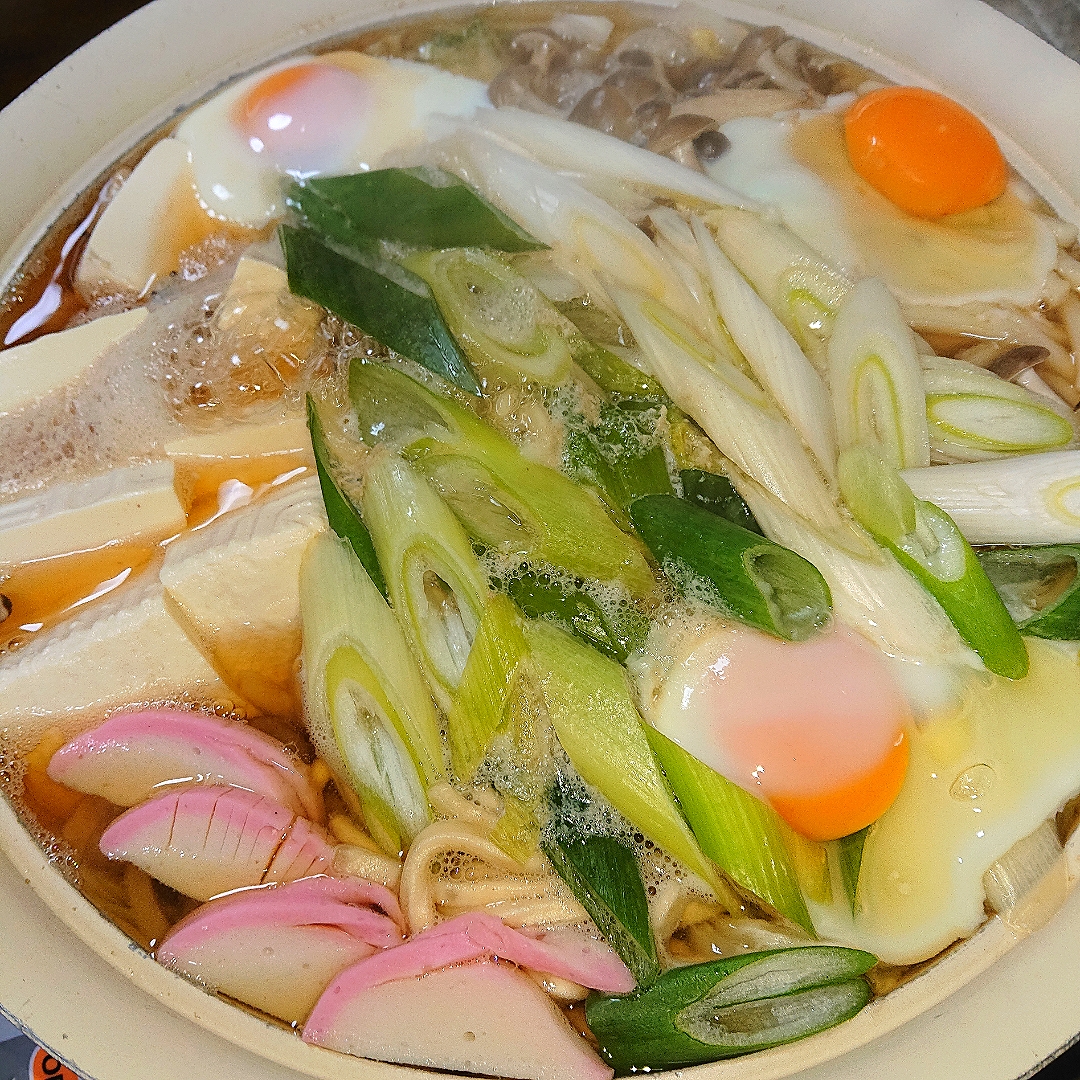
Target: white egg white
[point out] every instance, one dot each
(237, 183)
(990, 761)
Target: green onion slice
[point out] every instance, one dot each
(1040, 586)
(382, 298)
(927, 543)
(747, 576)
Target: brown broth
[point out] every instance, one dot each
(44, 592)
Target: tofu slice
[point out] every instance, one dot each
(135, 503)
(234, 586)
(253, 294)
(29, 372)
(142, 232)
(122, 651)
(252, 453)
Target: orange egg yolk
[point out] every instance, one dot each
(815, 728)
(923, 151)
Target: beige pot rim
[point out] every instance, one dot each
(987, 1009)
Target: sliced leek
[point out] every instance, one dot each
(1040, 586)
(596, 240)
(733, 410)
(514, 505)
(486, 686)
(974, 415)
(436, 585)
(801, 288)
(613, 374)
(1033, 499)
(368, 712)
(741, 834)
(744, 574)
(773, 354)
(575, 148)
(341, 511)
(926, 542)
(871, 592)
(597, 724)
(876, 378)
(501, 320)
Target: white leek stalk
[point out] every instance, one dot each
(676, 243)
(974, 415)
(436, 585)
(871, 592)
(368, 711)
(595, 240)
(1032, 499)
(732, 410)
(772, 353)
(570, 147)
(876, 379)
(802, 289)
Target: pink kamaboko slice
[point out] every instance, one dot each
(482, 1017)
(477, 935)
(132, 755)
(278, 947)
(204, 841)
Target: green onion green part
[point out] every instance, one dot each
(540, 596)
(621, 456)
(380, 297)
(717, 495)
(507, 502)
(341, 512)
(422, 207)
(704, 1012)
(503, 322)
(740, 833)
(746, 575)
(1040, 586)
(936, 554)
(604, 875)
(849, 852)
(589, 703)
(486, 685)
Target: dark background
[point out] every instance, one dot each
(37, 34)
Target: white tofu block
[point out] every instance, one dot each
(235, 588)
(125, 650)
(154, 217)
(253, 292)
(29, 372)
(138, 502)
(252, 453)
